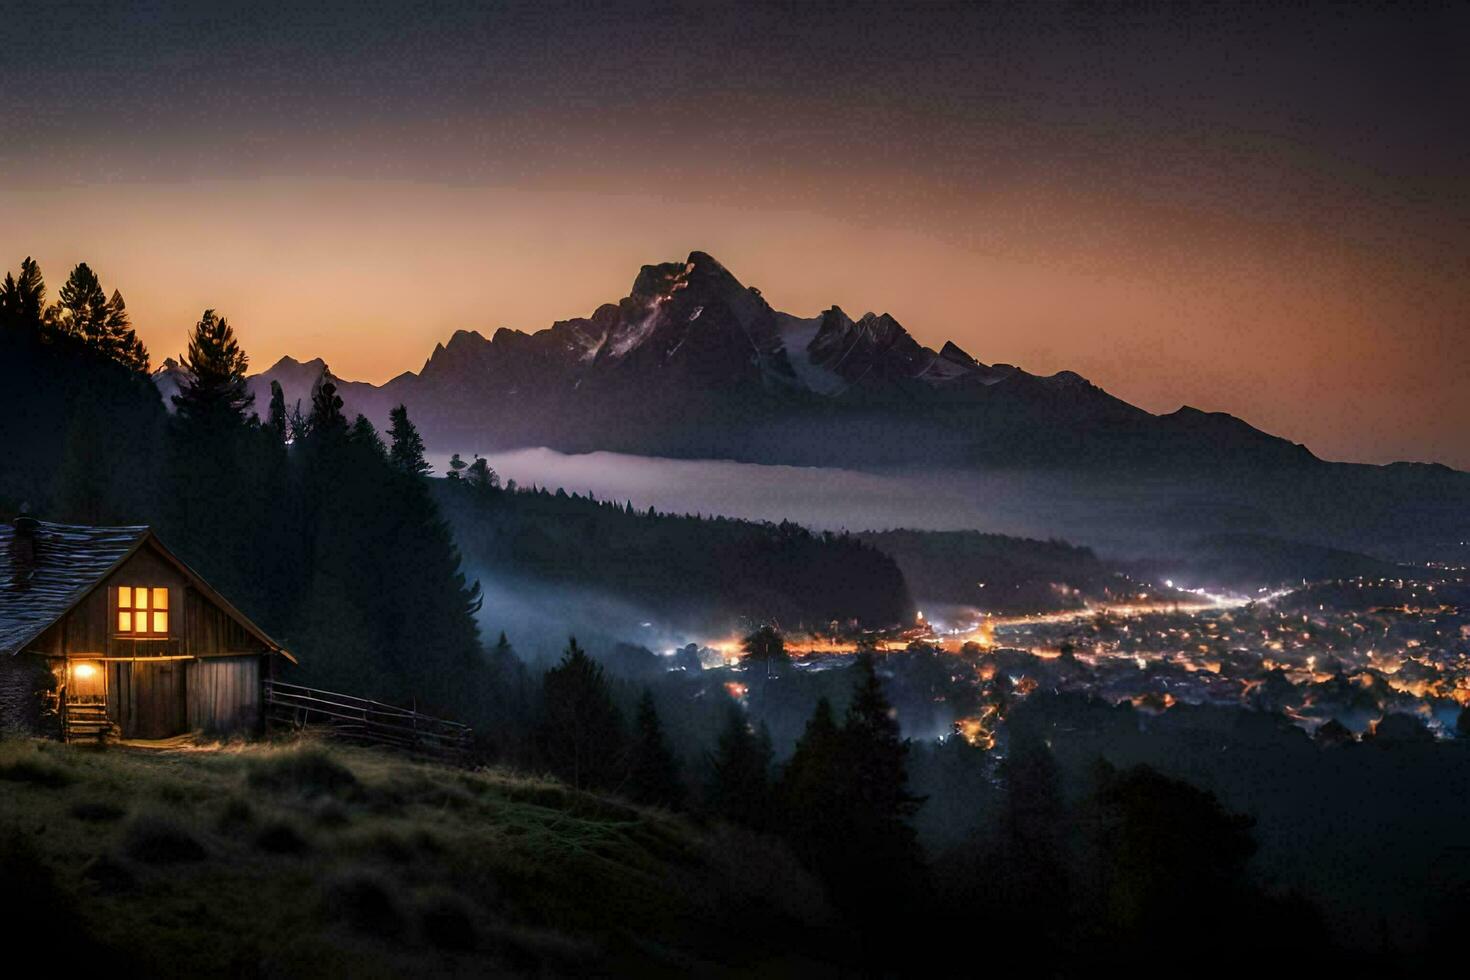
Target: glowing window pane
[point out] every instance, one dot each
(125, 597)
(160, 598)
(160, 622)
(124, 621)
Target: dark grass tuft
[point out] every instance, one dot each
(39, 909)
(109, 875)
(280, 837)
(35, 773)
(447, 920)
(97, 811)
(388, 845)
(235, 815)
(307, 772)
(157, 838)
(366, 902)
(332, 814)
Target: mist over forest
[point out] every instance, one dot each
(1113, 516)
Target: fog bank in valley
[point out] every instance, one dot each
(1116, 519)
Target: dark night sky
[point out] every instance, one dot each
(1260, 209)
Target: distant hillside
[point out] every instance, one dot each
(1252, 561)
(701, 570)
(1000, 574)
(266, 861)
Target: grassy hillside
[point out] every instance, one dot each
(303, 859)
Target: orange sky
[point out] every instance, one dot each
(1292, 329)
(1260, 209)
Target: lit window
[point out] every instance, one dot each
(142, 611)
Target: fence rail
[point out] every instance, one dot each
(361, 720)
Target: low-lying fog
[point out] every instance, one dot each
(1116, 520)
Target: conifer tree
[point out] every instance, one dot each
(9, 302)
(877, 756)
(278, 424)
(407, 449)
(83, 310)
(225, 476)
(23, 299)
(365, 436)
(456, 466)
(80, 309)
(214, 388)
(739, 786)
(765, 650)
(480, 475)
(845, 792)
(327, 423)
(581, 730)
(121, 342)
(810, 785)
(653, 773)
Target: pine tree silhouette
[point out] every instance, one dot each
(277, 423)
(83, 310)
(214, 373)
(581, 730)
(739, 787)
(653, 773)
(407, 446)
(23, 299)
(327, 423)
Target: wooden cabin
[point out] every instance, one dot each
(104, 631)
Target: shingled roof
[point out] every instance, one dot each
(66, 563)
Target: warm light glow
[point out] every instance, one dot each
(142, 610)
(83, 672)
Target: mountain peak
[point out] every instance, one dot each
(461, 338)
(289, 363)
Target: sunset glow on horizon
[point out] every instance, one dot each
(1257, 249)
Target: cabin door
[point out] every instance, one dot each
(158, 700)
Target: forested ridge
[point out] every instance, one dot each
(699, 570)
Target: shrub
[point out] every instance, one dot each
(331, 813)
(280, 837)
(366, 903)
(110, 875)
(237, 813)
(447, 921)
(158, 838)
(306, 771)
(97, 811)
(36, 773)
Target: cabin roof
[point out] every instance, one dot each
(69, 561)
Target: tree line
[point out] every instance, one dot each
(692, 568)
(320, 530)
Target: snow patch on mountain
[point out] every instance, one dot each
(797, 334)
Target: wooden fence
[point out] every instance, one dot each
(360, 720)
